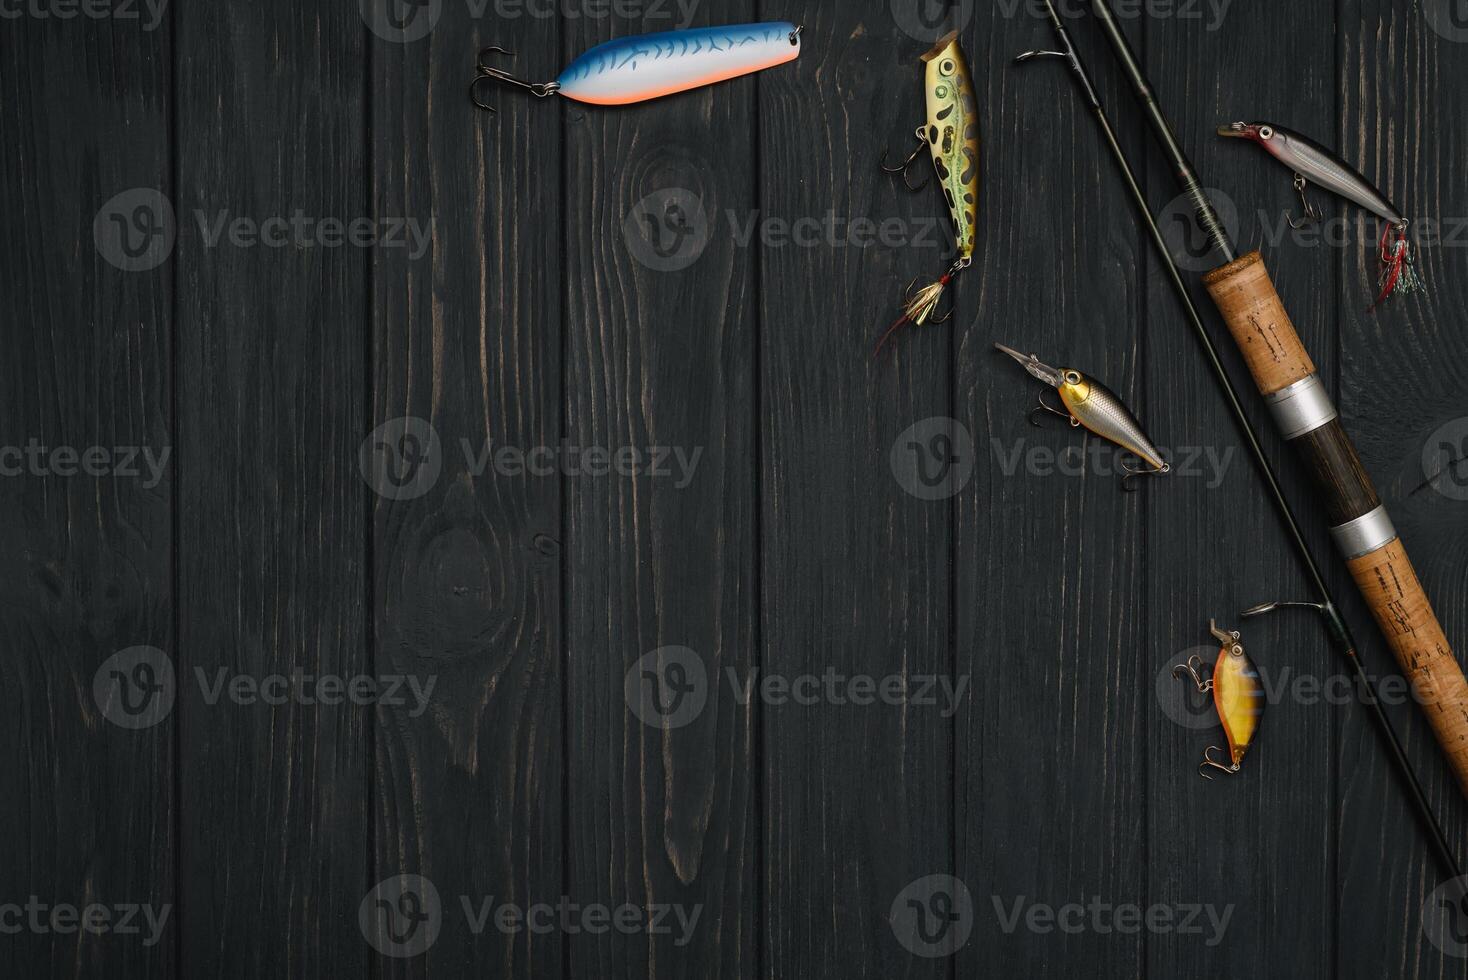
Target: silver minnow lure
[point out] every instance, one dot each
(1091, 404)
(1314, 164)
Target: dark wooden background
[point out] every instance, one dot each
(528, 321)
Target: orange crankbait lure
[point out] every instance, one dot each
(1238, 696)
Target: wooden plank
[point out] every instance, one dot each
(467, 558)
(661, 350)
(1259, 843)
(1402, 387)
(89, 804)
(854, 569)
(1051, 557)
(272, 512)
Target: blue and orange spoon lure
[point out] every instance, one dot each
(649, 66)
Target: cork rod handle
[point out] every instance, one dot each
(1285, 375)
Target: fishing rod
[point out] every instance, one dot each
(1308, 420)
(1339, 632)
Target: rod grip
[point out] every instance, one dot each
(1261, 328)
(1251, 308)
(1389, 582)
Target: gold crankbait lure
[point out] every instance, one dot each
(951, 135)
(1238, 696)
(1091, 404)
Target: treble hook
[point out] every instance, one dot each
(1312, 215)
(1209, 762)
(942, 319)
(1194, 669)
(1133, 474)
(486, 72)
(922, 145)
(1045, 407)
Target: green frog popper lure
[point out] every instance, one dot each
(951, 135)
(1091, 404)
(1238, 697)
(1313, 163)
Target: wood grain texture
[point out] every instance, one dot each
(661, 330)
(1049, 556)
(537, 316)
(1260, 842)
(89, 808)
(1402, 377)
(466, 339)
(854, 570)
(271, 511)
